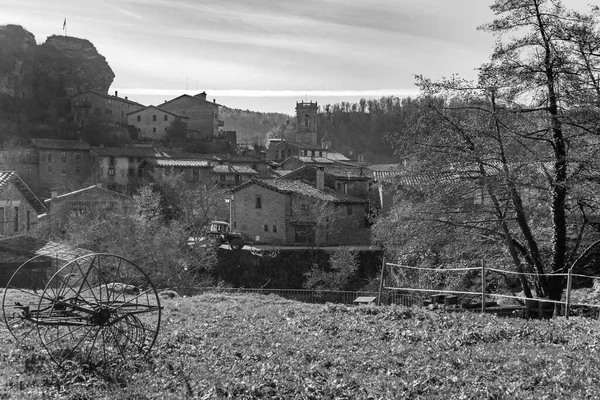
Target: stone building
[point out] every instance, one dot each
(293, 212)
(306, 122)
(203, 122)
(19, 206)
(353, 181)
(92, 102)
(118, 168)
(192, 171)
(89, 199)
(153, 123)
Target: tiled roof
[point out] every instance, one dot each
(88, 189)
(8, 177)
(335, 156)
(192, 97)
(337, 171)
(315, 160)
(31, 247)
(297, 187)
(177, 162)
(60, 144)
(234, 169)
(129, 152)
(108, 96)
(159, 109)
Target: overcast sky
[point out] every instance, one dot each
(264, 55)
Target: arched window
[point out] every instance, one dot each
(306, 121)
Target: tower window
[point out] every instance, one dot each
(306, 121)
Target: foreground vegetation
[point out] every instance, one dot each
(241, 346)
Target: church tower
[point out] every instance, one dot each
(306, 122)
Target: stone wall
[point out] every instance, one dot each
(203, 115)
(17, 217)
(63, 170)
(250, 221)
(24, 161)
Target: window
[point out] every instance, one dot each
(306, 121)
(196, 174)
(16, 216)
(49, 168)
(338, 186)
(131, 172)
(274, 228)
(63, 170)
(77, 170)
(349, 210)
(63, 156)
(289, 152)
(154, 117)
(28, 219)
(49, 156)
(234, 224)
(301, 153)
(304, 209)
(139, 118)
(78, 156)
(140, 172)
(111, 161)
(258, 201)
(166, 117)
(153, 129)
(111, 171)
(266, 228)
(222, 177)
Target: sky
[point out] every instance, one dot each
(264, 55)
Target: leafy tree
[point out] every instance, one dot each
(509, 159)
(177, 131)
(343, 265)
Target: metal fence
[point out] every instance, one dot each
(319, 296)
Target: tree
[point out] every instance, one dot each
(523, 139)
(343, 265)
(177, 131)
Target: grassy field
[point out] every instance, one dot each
(245, 347)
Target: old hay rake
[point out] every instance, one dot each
(95, 309)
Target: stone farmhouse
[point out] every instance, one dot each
(153, 123)
(90, 103)
(19, 206)
(289, 212)
(203, 116)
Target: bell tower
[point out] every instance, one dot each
(306, 122)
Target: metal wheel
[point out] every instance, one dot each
(23, 296)
(102, 307)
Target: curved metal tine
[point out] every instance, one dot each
(72, 348)
(69, 333)
(125, 285)
(132, 334)
(84, 279)
(129, 301)
(89, 355)
(117, 344)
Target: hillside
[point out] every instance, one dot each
(251, 126)
(249, 347)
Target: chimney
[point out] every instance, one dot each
(214, 101)
(116, 94)
(320, 178)
(126, 98)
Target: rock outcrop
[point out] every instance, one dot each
(37, 81)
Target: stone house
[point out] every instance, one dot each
(115, 109)
(92, 198)
(19, 206)
(203, 122)
(350, 180)
(118, 168)
(228, 175)
(49, 164)
(63, 164)
(153, 123)
(291, 212)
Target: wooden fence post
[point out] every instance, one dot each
(482, 286)
(568, 297)
(381, 278)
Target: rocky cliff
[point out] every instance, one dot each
(37, 81)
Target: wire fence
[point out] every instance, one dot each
(557, 307)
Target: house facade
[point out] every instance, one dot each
(19, 206)
(87, 104)
(89, 199)
(353, 181)
(293, 212)
(203, 116)
(153, 123)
